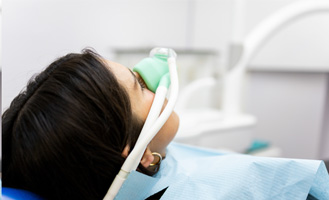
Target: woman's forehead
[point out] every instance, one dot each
(121, 72)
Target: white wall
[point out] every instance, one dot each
(37, 31)
(324, 147)
(290, 108)
(0, 34)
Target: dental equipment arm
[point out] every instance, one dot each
(153, 123)
(254, 41)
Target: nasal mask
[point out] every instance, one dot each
(154, 70)
(159, 73)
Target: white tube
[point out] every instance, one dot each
(114, 189)
(135, 156)
(233, 81)
(160, 96)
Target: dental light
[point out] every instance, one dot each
(158, 71)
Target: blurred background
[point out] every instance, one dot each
(286, 86)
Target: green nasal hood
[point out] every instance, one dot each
(154, 70)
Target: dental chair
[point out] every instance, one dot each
(18, 194)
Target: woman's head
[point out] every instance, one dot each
(141, 100)
(67, 134)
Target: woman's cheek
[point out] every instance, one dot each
(147, 101)
(149, 97)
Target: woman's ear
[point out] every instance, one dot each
(147, 158)
(125, 151)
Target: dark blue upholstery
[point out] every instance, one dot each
(18, 194)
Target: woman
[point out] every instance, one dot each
(67, 135)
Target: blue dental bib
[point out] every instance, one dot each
(196, 173)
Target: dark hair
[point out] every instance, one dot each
(63, 136)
